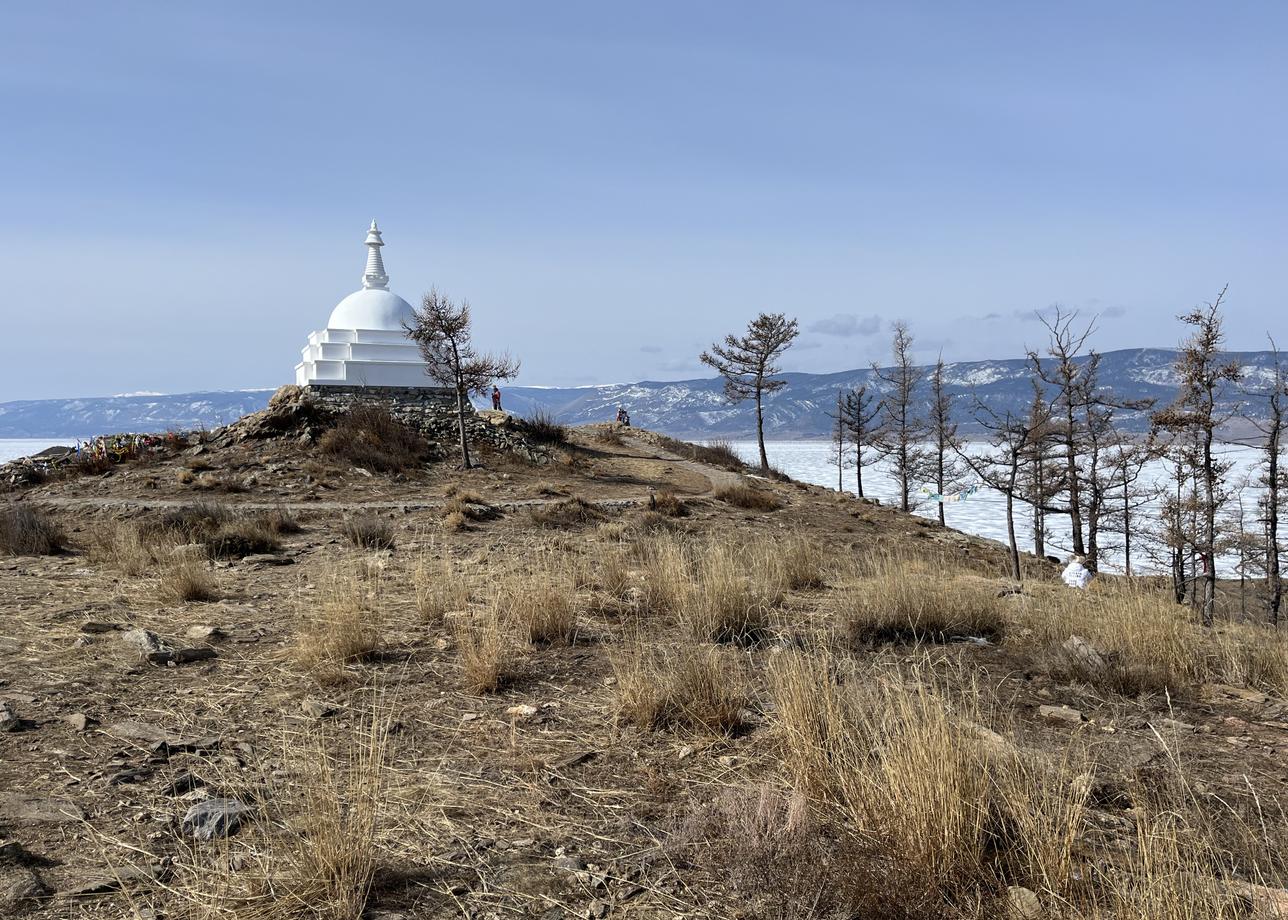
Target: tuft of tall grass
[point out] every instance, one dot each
(369, 531)
(440, 589)
(341, 627)
(26, 531)
(702, 687)
(895, 605)
(749, 497)
(486, 653)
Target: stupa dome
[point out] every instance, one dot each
(371, 308)
(365, 342)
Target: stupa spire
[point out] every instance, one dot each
(374, 276)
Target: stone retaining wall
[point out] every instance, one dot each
(432, 412)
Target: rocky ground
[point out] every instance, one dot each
(165, 757)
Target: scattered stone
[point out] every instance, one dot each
(1084, 655)
(1062, 714)
(569, 864)
(138, 731)
(169, 657)
(21, 808)
(205, 633)
(685, 752)
(1175, 725)
(267, 559)
(214, 818)
(78, 721)
(9, 721)
(521, 711)
(107, 881)
(98, 627)
(1024, 904)
(20, 889)
(598, 908)
(318, 709)
(144, 640)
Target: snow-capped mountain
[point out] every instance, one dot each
(695, 409)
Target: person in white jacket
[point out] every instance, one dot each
(1076, 574)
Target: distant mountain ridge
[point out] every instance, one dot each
(693, 409)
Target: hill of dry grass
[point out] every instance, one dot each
(609, 686)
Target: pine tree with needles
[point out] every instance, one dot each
(748, 365)
(444, 333)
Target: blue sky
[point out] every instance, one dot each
(186, 186)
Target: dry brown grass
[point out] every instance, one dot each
(455, 522)
(668, 504)
(904, 763)
(186, 577)
(26, 531)
(728, 598)
(543, 608)
(369, 531)
(570, 512)
(752, 498)
(470, 505)
(341, 627)
(702, 687)
(316, 847)
(370, 438)
(122, 546)
(1149, 643)
(897, 605)
(486, 653)
(440, 588)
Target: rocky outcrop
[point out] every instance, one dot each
(304, 413)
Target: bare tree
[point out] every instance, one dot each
(840, 438)
(1010, 437)
(861, 410)
(1131, 492)
(746, 362)
(1275, 399)
(1197, 415)
(902, 427)
(943, 436)
(1062, 370)
(445, 336)
(1041, 478)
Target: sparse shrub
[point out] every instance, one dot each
(341, 628)
(123, 546)
(281, 521)
(242, 537)
(486, 654)
(186, 578)
(609, 436)
(669, 504)
(455, 522)
(371, 438)
(369, 531)
(715, 453)
(440, 589)
(185, 477)
(702, 687)
(749, 497)
(470, 505)
(798, 561)
(25, 531)
(917, 780)
(1148, 643)
(570, 512)
(197, 464)
(897, 606)
(545, 611)
(209, 482)
(726, 601)
(542, 427)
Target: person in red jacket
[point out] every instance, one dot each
(496, 397)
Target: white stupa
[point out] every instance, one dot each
(364, 342)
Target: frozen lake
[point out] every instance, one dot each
(984, 513)
(12, 448)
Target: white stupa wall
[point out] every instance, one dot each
(365, 342)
